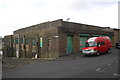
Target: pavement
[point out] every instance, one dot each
(72, 66)
(9, 63)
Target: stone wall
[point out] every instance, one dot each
(116, 36)
(54, 39)
(8, 49)
(49, 49)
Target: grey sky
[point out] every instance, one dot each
(16, 14)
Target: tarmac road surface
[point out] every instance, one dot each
(103, 66)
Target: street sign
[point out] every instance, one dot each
(41, 42)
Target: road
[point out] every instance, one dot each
(103, 66)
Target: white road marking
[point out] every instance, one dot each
(98, 69)
(115, 74)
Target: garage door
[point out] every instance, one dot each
(82, 42)
(69, 44)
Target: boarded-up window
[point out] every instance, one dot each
(26, 41)
(16, 40)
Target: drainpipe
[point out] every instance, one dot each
(11, 47)
(18, 49)
(49, 47)
(14, 47)
(38, 49)
(24, 47)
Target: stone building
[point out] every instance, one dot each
(51, 39)
(116, 36)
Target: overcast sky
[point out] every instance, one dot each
(16, 14)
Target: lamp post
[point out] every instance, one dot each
(68, 19)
